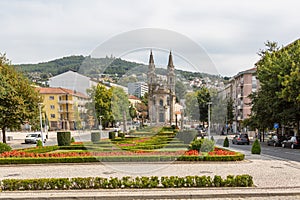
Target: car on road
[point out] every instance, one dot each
(241, 139)
(33, 138)
(276, 140)
(293, 142)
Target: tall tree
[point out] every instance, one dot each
(18, 100)
(278, 73)
(192, 108)
(203, 97)
(119, 103)
(102, 101)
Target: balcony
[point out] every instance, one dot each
(239, 96)
(65, 102)
(240, 107)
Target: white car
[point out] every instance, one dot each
(33, 138)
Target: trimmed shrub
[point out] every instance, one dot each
(112, 135)
(124, 182)
(39, 143)
(72, 140)
(256, 149)
(95, 137)
(226, 142)
(121, 135)
(63, 138)
(207, 145)
(4, 147)
(196, 145)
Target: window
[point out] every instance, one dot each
(161, 102)
(52, 115)
(52, 107)
(254, 84)
(51, 97)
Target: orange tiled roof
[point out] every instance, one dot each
(133, 97)
(53, 90)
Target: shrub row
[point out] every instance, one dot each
(125, 182)
(140, 158)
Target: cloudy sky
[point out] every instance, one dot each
(230, 31)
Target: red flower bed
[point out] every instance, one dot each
(16, 153)
(191, 153)
(221, 152)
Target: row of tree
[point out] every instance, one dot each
(278, 100)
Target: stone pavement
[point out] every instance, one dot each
(273, 178)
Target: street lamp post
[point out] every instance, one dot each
(41, 123)
(209, 103)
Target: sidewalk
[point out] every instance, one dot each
(174, 193)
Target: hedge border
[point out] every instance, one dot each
(125, 182)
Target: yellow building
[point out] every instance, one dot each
(64, 108)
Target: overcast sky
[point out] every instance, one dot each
(231, 32)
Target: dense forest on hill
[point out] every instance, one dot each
(92, 67)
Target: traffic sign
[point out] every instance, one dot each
(276, 125)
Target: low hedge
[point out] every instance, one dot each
(125, 182)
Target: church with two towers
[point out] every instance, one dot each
(161, 93)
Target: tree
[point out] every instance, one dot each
(278, 73)
(132, 112)
(119, 104)
(229, 111)
(192, 108)
(101, 98)
(203, 97)
(180, 90)
(19, 101)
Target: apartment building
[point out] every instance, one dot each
(137, 89)
(64, 108)
(239, 88)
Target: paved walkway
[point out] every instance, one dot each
(272, 177)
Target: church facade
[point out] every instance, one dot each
(161, 93)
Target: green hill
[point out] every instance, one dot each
(92, 67)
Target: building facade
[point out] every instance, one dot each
(161, 94)
(137, 89)
(239, 88)
(64, 108)
(73, 81)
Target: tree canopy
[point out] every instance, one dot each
(19, 100)
(278, 71)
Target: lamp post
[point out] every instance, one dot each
(209, 103)
(41, 123)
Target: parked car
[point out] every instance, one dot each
(33, 138)
(293, 142)
(241, 139)
(276, 140)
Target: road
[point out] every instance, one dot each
(276, 152)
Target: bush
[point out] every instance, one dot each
(63, 138)
(72, 140)
(207, 145)
(121, 135)
(226, 142)
(95, 137)
(39, 143)
(196, 145)
(256, 149)
(4, 147)
(124, 182)
(112, 135)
